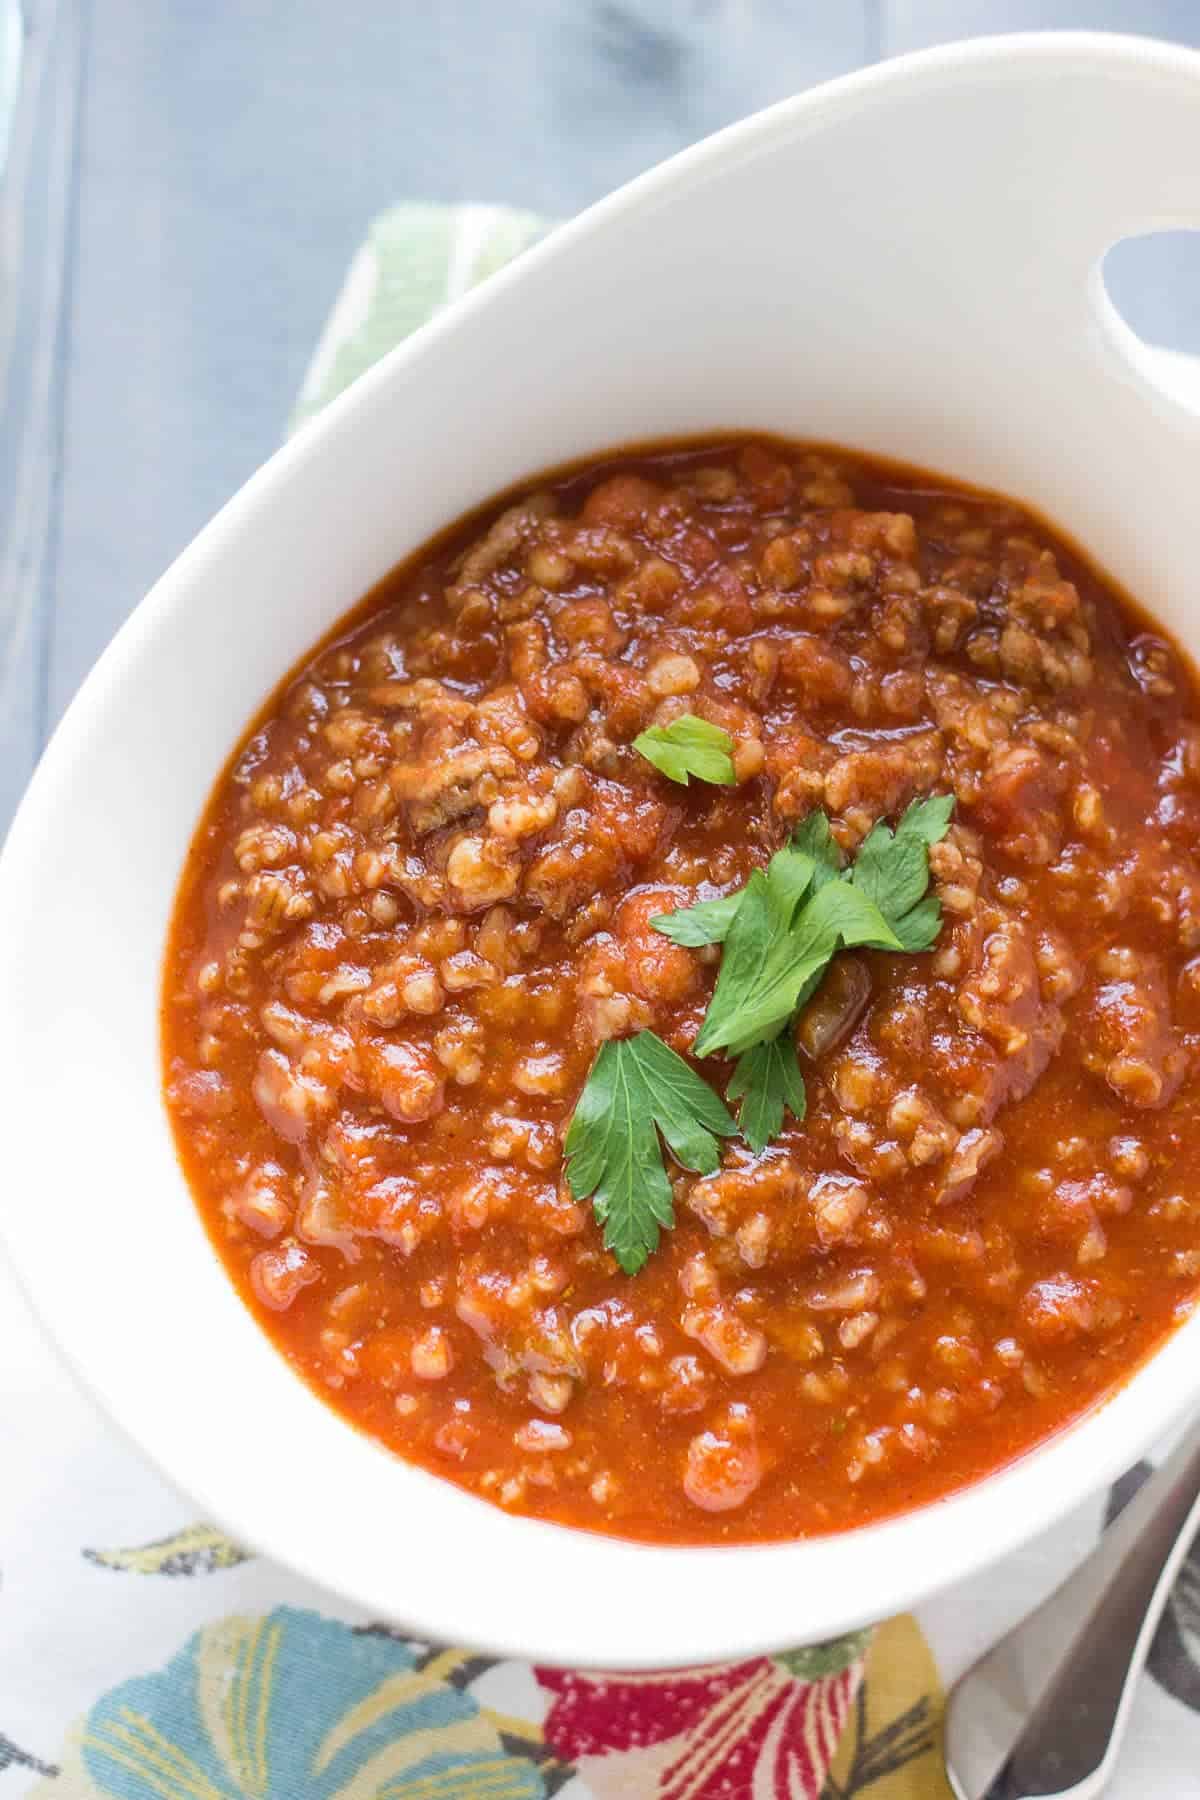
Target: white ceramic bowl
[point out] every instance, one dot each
(907, 262)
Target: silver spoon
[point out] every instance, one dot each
(1044, 1713)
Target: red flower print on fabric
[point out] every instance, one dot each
(754, 1730)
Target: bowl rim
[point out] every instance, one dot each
(954, 1536)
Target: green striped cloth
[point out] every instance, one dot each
(416, 259)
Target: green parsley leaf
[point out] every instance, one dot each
(918, 929)
(814, 837)
(808, 860)
(767, 1080)
(928, 819)
(636, 1088)
(761, 927)
(774, 958)
(792, 873)
(893, 869)
(689, 746)
(707, 922)
(859, 921)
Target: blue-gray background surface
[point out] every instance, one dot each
(190, 178)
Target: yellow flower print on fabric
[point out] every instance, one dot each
(196, 1550)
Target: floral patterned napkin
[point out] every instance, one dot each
(143, 1656)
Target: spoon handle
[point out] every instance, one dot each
(1044, 1712)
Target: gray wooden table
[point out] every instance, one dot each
(189, 180)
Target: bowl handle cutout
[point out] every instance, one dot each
(1123, 201)
(1144, 294)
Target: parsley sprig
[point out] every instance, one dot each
(689, 746)
(768, 1082)
(636, 1085)
(789, 922)
(893, 868)
(779, 932)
